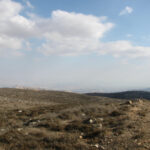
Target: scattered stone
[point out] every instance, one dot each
(91, 121)
(2, 130)
(83, 114)
(88, 121)
(26, 133)
(129, 102)
(139, 143)
(100, 126)
(33, 123)
(81, 137)
(20, 111)
(135, 140)
(20, 129)
(96, 145)
(140, 101)
(100, 119)
(82, 133)
(102, 147)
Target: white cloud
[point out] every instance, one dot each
(10, 46)
(63, 33)
(14, 28)
(9, 9)
(129, 35)
(28, 4)
(72, 33)
(124, 49)
(126, 10)
(76, 34)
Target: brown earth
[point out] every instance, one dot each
(49, 120)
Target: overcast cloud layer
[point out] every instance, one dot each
(63, 33)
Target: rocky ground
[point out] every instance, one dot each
(48, 120)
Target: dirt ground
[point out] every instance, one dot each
(49, 120)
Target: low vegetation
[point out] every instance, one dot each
(49, 120)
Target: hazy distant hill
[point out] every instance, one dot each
(124, 95)
(147, 89)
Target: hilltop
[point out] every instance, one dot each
(53, 120)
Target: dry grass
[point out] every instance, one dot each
(46, 120)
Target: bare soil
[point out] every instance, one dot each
(49, 120)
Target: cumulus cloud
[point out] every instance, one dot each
(72, 33)
(63, 33)
(9, 9)
(14, 28)
(124, 48)
(126, 10)
(76, 34)
(29, 4)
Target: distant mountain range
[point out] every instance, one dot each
(125, 95)
(147, 89)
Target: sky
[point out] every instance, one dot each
(74, 45)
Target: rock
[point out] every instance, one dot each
(140, 101)
(34, 123)
(20, 111)
(100, 126)
(91, 121)
(102, 147)
(26, 133)
(82, 133)
(20, 129)
(81, 137)
(2, 130)
(96, 145)
(130, 102)
(100, 119)
(83, 114)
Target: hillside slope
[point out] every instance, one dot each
(49, 120)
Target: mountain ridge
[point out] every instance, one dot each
(124, 95)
